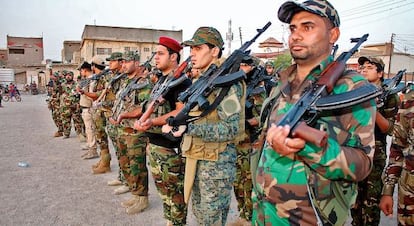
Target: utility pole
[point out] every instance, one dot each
(391, 52)
(229, 38)
(241, 38)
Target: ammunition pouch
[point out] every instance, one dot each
(196, 148)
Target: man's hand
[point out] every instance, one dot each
(143, 126)
(386, 205)
(277, 138)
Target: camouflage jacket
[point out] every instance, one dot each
(280, 192)
(69, 95)
(133, 99)
(402, 147)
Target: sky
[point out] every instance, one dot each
(62, 20)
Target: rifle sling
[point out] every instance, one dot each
(214, 105)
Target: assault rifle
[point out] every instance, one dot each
(391, 86)
(147, 64)
(86, 81)
(162, 90)
(133, 85)
(316, 99)
(223, 77)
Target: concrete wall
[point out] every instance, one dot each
(32, 49)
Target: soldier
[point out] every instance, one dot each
(166, 161)
(294, 178)
(85, 87)
(400, 167)
(105, 103)
(366, 210)
(54, 102)
(209, 143)
(69, 107)
(98, 66)
(255, 95)
(130, 143)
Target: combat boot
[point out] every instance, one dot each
(141, 203)
(121, 190)
(104, 164)
(91, 154)
(58, 134)
(130, 202)
(240, 222)
(114, 182)
(82, 138)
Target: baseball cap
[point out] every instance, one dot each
(97, 61)
(131, 55)
(319, 7)
(373, 60)
(205, 35)
(115, 56)
(170, 43)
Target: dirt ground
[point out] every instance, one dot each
(58, 187)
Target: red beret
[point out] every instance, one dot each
(170, 43)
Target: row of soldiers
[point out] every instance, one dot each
(199, 141)
(128, 103)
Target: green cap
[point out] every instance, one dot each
(319, 7)
(372, 60)
(269, 63)
(115, 56)
(131, 55)
(205, 35)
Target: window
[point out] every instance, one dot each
(16, 51)
(146, 49)
(103, 51)
(126, 49)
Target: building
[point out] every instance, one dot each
(24, 51)
(103, 40)
(71, 52)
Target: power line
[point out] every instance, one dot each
(368, 7)
(378, 12)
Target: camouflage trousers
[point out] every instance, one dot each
(56, 116)
(167, 169)
(405, 208)
(132, 160)
(243, 182)
(112, 132)
(366, 210)
(100, 133)
(69, 113)
(213, 184)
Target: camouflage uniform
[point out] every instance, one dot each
(366, 210)
(70, 109)
(243, 182)
(166, 162)
(106, 106)
(211, 140)
(100, 124)
(400, 168)
(54, 103)
(130, 143)
(280, 194)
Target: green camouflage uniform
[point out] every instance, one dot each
(211, 140)
(280, 194)
(99, 117)
(243, 182)
(106, 106)
(166, 163)
(400, 168)
(366, 210)
(70, 109)
(54, 104)
(130, 143)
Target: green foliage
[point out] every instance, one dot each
(283, 61)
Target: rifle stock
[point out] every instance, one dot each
(296, 116)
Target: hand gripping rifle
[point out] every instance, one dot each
(224, 76)
(162, 90)
(316, 99)
(391, 86)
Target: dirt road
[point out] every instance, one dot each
(58, 188)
